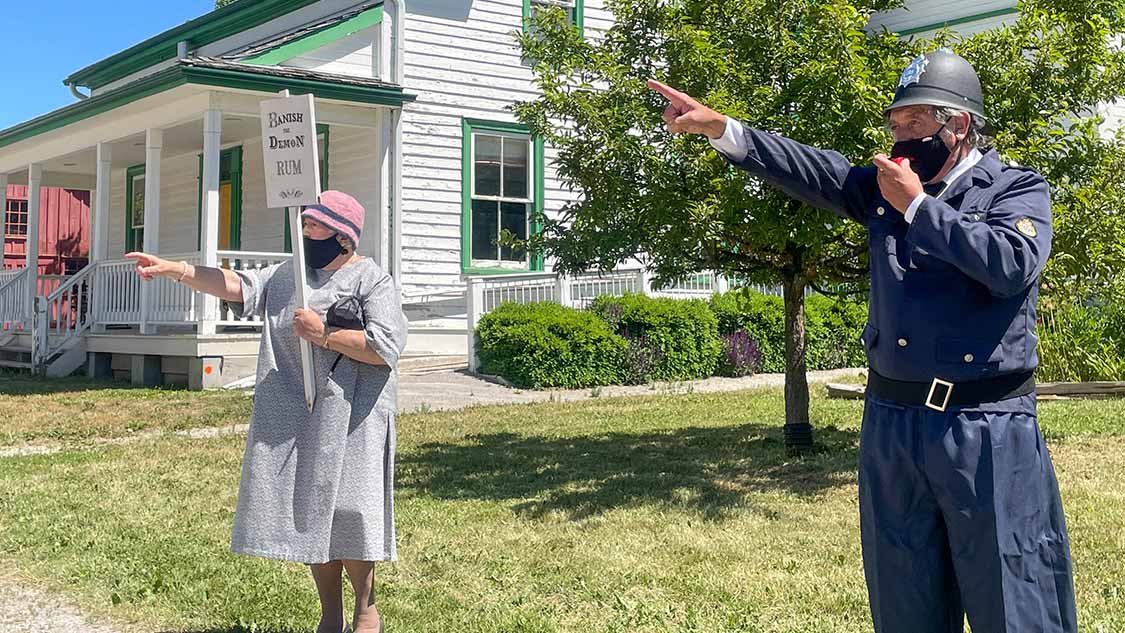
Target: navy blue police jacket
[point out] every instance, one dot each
(953, 293)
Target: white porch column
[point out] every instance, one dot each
(34, 181)
(99, 249)
(395, 219)
(377, 238)
(209, 231)
(154, 145)
(99, 246)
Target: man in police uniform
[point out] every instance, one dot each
(959, 507)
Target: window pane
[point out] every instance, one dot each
(513, 218)
(138, 201)
(487, 164)
(515, 168)
(139, 239)
(224, 167)
(485, 226)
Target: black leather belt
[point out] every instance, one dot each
(940, 394)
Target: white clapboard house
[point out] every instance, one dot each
(412, 100)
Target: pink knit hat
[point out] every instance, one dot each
(339, 212)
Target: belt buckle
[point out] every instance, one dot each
(933, 389)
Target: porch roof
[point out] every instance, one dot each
(210, 27)
(214, 72)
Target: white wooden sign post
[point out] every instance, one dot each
(292, 181)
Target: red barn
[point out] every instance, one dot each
(64, 231)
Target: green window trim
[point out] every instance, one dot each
(321, 128)
(468, 126)
(976, 17)
(235, 180)
(578, 15)
(130, 174)
(318, 39)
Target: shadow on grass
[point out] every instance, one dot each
(242, 629)
(712, 471)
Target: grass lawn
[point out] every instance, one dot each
(671, 513)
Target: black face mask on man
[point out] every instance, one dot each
(320, 253)
(927, 155)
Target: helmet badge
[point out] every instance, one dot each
(913, 73)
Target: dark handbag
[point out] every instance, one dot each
(345, 314)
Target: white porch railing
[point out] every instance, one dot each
(244, 260)
(117, 292)
(14, 295)
(484, 293)
(117, 295)
(64, 313)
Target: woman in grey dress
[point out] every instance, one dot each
(317, 487)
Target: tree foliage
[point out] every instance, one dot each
(814, 71)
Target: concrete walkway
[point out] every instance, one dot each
(450, 390)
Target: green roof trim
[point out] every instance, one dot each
(976, 17)
(211, 27)
(318, 39)
(249, 79)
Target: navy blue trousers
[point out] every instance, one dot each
(960, 515)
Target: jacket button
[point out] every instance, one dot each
(880, 210)
(968, 358)
(902, 342)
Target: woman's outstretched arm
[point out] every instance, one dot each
(214, 281)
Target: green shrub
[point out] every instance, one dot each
(759, 315)
(1081, 343)
(544, 345)
(832, 328)
(669, 339)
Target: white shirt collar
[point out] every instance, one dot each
(965, 165)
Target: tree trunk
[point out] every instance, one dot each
(798, 431)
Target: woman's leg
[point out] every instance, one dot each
(329, 586)
(366, 618)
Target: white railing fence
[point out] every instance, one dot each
(169, 302)
(14, 310)
(117, 292)
(484, 293)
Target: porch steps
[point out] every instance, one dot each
(69, 361)
(15, 364)
(421, 365)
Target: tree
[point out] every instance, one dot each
(222, 3)
(808, 69)
(805, 68)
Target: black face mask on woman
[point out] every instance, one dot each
(320, 253)
(927, 155)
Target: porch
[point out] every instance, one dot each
(178, 172)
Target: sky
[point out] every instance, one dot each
(46, 40)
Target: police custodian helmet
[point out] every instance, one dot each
(940, 78)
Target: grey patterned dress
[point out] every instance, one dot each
(318, 487)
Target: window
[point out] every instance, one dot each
(573, 8)
(15, 220)
(502, 191)
(135, 208)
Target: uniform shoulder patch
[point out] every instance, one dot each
(1027, 227)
